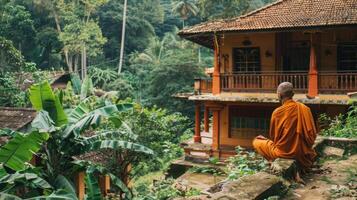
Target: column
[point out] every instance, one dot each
(206, 119)
(104, 182)
(216, 81)
(197, 137)
(313, 74)
(215, 129)
(80, 185)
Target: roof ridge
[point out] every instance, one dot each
(259, 9)
(234, 18)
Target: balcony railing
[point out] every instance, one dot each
(203, 85)
(264, 81)
(338, 82)
(328, 82)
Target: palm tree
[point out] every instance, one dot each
(184, 8)
(122, 37)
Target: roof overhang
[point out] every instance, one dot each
(206, 38)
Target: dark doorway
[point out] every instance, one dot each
(297, 56)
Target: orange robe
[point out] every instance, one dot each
(292, 135)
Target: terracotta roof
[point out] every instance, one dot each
(56, 79)
(16, 118)
(285, 15)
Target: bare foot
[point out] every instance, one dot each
(298, 179)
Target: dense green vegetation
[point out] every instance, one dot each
(341, 126)
(134, 127)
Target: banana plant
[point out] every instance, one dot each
(67, 139)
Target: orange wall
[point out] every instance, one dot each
(226, 141)
(265, 41)
(326, 47)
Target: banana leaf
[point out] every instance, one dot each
(62, 183)
(83, 116)
(20, 149)
(87, 88)
(26, 177)
(43, 122)
(76, 83)
(118, 144)
(43, 98)
(92, 186)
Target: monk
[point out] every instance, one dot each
(292, 131)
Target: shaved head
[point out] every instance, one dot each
(285, 90)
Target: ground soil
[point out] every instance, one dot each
(333, 179)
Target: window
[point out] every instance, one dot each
(248, 127)
(347, 56)
(297, 56)
(246, 122)
(246, 59)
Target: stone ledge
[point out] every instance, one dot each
(258, 186)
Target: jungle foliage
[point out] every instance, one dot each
(341, 126)
(130, 119)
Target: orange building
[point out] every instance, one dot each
(312, 44)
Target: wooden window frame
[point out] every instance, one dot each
(257, 70)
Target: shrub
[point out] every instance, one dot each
(245, 163)
(342, 125)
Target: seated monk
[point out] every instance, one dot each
(292, 131)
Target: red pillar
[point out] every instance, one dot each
(215, 129)
(197, 137)
(104, 183)
(313, 74)
(216, 80)
(206, 119)
(80, 185)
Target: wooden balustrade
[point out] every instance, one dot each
(265, 81)
(337, 82)
(328, 82)
(203, 85)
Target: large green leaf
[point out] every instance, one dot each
(76, 83)
(64, 184)
(92, 187)
(83, 116)
(43, 98)
(87, 87)
(118, 144)
(117, 182)
(26, 177)
(43, 122)
(20, 149)
(5, 196)
(7, 132)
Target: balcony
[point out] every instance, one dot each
(339, 82)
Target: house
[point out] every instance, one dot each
(17, 119)
(312, 44)
(57, 79)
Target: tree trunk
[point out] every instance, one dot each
(65, 50)
(84, 63)
(122, 38)
(69, 64)
(76, 64)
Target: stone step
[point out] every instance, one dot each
(258, 186)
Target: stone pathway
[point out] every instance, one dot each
(335, 179)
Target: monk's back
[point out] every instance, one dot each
(292, 130)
